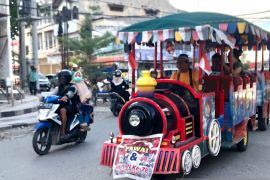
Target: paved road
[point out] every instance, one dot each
(72, 161)
(19, 161)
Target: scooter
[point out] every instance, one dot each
(47, 130)
(117, 102)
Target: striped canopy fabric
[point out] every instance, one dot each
(195, 26)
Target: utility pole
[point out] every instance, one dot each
(28, 13)
(23, 66)
(35, 39)
(34, 35)
(22, 12)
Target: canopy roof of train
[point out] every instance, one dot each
(196, 26)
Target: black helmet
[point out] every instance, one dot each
(117, 73)
(64, 77)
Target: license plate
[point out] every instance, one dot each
(45, 106)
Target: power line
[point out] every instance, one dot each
(260, 12)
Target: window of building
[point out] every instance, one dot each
(27, 50)
(49, 39)
(116, 7)
(151, 12)
(40, 41)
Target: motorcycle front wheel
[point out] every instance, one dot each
(42, 141)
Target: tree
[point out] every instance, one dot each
(87, 45)
(13, 18)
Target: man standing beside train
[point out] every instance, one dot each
(185, 74)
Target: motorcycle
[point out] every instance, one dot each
(117, 102)
(47, 130)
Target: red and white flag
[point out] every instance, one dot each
(204, 64)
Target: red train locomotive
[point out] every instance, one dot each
(191, 123)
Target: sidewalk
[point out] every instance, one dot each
(25, 113)
(27, 105)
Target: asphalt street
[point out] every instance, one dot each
(81, 161)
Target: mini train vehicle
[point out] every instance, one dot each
(192, 123)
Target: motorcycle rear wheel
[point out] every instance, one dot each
(42, 141)
(82, 137)
(115, 113)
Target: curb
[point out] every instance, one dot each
(8, 114)
(16, 125)
(17, 112)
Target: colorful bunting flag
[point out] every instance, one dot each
(185, 33)
(203, 32)
(178, 36)
(146, 36)
(241, 27)
(131, 37)
(155, 36)
(223, 27)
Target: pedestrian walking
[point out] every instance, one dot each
(33, 77)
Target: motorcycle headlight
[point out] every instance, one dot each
(43, 112)
(134, 120)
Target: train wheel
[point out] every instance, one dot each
(262, 123)
(186, 162)
(196, 156)
(214, 138)
(243, 144)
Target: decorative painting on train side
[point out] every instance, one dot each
(235, 105)
(240, 110)
(208, 111)
(260, 89)
(248, 102)
(136, 156)
(254, 96)
(267, 89)
(244, 102)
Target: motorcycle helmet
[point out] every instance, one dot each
(117, 73)
(64, 77)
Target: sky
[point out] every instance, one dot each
(247, 9)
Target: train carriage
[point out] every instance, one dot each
(192, 123)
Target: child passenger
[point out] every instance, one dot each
(85, 109)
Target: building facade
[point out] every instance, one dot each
(111, 16)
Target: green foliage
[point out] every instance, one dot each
(94, 71)
(87, 45)
(95, 10)
(13, 18)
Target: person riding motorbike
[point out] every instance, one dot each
(66, 91)
(84, 108)
(119, 86)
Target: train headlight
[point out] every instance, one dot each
(134, 120)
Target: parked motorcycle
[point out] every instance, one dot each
(47, 130)
(117, 102)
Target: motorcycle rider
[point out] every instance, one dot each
(66, 90)
(119, 86)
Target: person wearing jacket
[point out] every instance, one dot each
(119, 86)
(68, 93)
